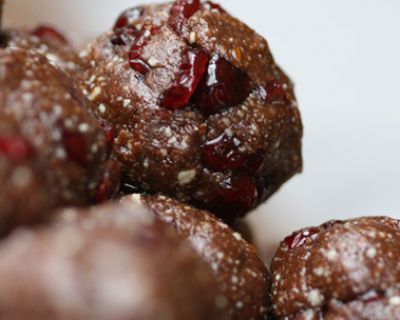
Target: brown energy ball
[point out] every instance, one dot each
(200, 109)
(238, 270)
(47, 41)
(113, 263)
(52, 151)
(341, 270)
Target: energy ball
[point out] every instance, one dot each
(52, 151)
(200, 110)
(339, 270)
(240, 273)
(47, 41)
(113, 263)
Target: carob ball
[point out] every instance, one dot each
(240, 273)
(114, 262)
(340, 270)
(52, 151)
(201, 111)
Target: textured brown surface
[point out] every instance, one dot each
(346, 270)
(115, 262)
(61, 55)
(40, 104)
(160, 150)
(234, 263)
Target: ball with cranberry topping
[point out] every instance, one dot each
(52, 151)
(201, 111)
(339, 270)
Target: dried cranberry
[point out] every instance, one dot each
(109, 185)
(141, 40)
(275, 92)
(49, 33)
(75, 145)
(108, 133)
(213, 6)
(128, 17)
(123, 36)
(222, 86)
(221, 154)
(234, 196)
(15, 148)
(186, 82)
(298, 239)
(180, 12)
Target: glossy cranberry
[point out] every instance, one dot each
(222, 86)
(213, 6)
(141, 40)
(15, 148)
(123, 36)
(75, 146)
(128, 17)
(49, 33)
(275, 92)
(180, 12)
(234, 196)
(109, 185)
(298, 239)
(186, 82)
(221, 154)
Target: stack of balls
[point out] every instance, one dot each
(127, 167)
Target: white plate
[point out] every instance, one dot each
(344, 57)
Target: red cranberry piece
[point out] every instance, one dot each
(75, 145)
(109, 185)
(128, 17)
(180, 12)
(222, 86)
(221, 154)
(298, 239)
(49, 33)
(213, 6)
(275, 92)
(234, 196)
(123, 36)
(141, 40)
(15, 148)
(186, 82)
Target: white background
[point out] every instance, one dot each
(344, 57)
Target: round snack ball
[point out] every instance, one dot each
(115, 262)
(240, 273)
(47, 41)
(201, 111)
(339, 270)
(50, 146)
